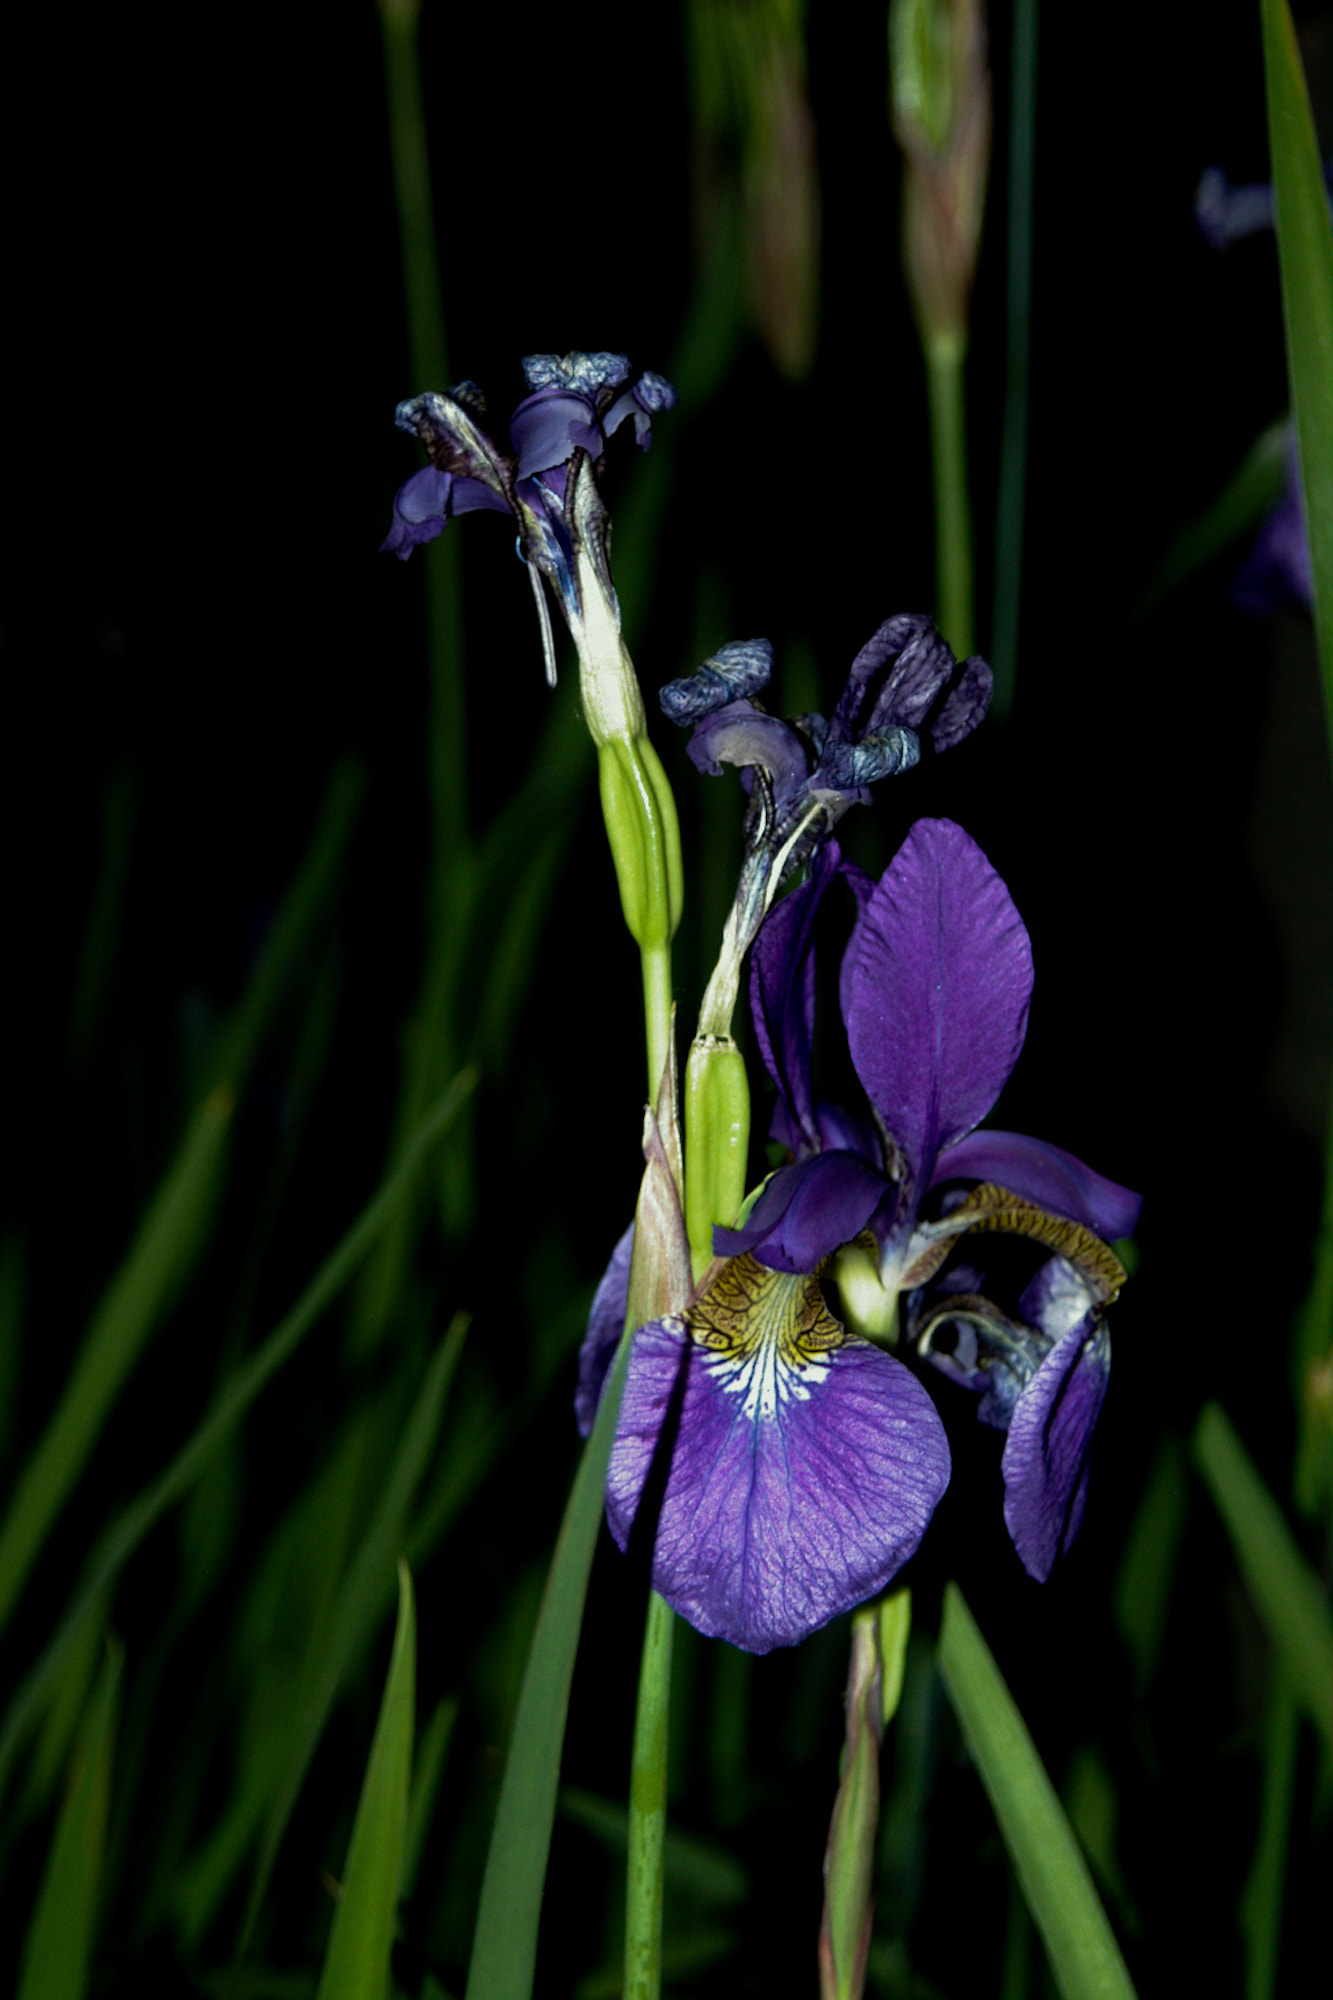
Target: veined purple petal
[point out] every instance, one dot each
(1044, 1174)
(964, 705)
(606, 1323)
(782, 994)
(939, 992)
(1045, 1463)
(795, 1488)
(806, 1212)
(642, 403)
(420, 510)
(862, 887)
(921, 664)
(430, 498)
(549, 426)
(740, 735)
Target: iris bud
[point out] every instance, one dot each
(717, 1137)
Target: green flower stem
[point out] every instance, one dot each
(655, 961)
(874, 1687)
(945, 358)
(1260, 1911)
(648, 1808)
(1003, 650)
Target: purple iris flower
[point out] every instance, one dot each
(790, 1467)
(576, 403)
(787, 1466)
(935, 988)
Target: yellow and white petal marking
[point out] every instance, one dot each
(768, 1334)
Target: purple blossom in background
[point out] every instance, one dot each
(794, 1466)
(1276, 574)
(575, 405)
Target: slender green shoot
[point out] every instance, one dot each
(1012, 510)
(57, 1951)
(648, 1808)
(128, 1532)
(504, 1947)
(356, 1965)
(163, 1252)
(946, 357)
(1261, 1900)
(1080, 1944)
(1284, 1588)
(1305, 262)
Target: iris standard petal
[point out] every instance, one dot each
(420, 510)
(798, 1470)
(1045, 1462)
(1045, 1174)
(939, 992)
(806, 1212)
(549, 426)
(606, 1323)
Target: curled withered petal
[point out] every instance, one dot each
(1045, 1462)
(732, 673)
(738, 734)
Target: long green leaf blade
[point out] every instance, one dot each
(1285, 1590)
(1051, 1870)
(504, 1948)
(226, 1412)
(178, 1220)
(163, 1251)
(1305, 260)
(360, 1598)
(58, 1949)
(357, 1963)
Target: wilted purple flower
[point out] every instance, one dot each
(1227, 211)
(935, 988)
(574, 406)
(802, 776)
(904, 682)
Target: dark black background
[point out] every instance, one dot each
(207, 342)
